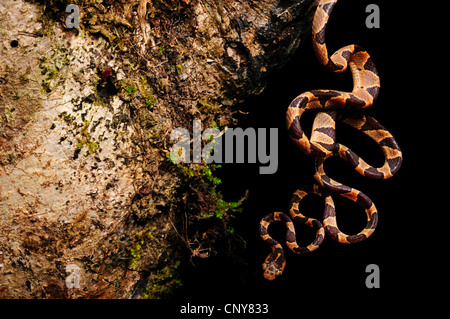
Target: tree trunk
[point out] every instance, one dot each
(91, 205)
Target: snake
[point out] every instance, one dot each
(332, 106)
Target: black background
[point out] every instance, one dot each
(398, 245)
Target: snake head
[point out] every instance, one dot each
(272, 270)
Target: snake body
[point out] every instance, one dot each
(322, 145)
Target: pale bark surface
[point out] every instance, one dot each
(84, 174)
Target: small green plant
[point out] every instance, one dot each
(223, 207)
(52, 66)
(200, 171)
(130, 89)
(203, 173)
(149, 101)
(135, 251)
(207, 172)
(164, 282)
(86, 139)
(139, 242)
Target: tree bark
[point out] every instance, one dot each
(91, 205)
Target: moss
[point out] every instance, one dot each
(202, 176)
(129, 87)
(208, 105)
(52, 66)
(223, 207)
(164, 282)
(150, 101)
(178, 67)
(86, 139)
(139, 241)
(138, 88)
(134, 251)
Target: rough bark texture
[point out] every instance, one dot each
(85, 122)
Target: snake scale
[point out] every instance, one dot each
(322, 145)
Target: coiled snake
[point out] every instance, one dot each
(322, 145)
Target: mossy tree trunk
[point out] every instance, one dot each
(90, 204)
